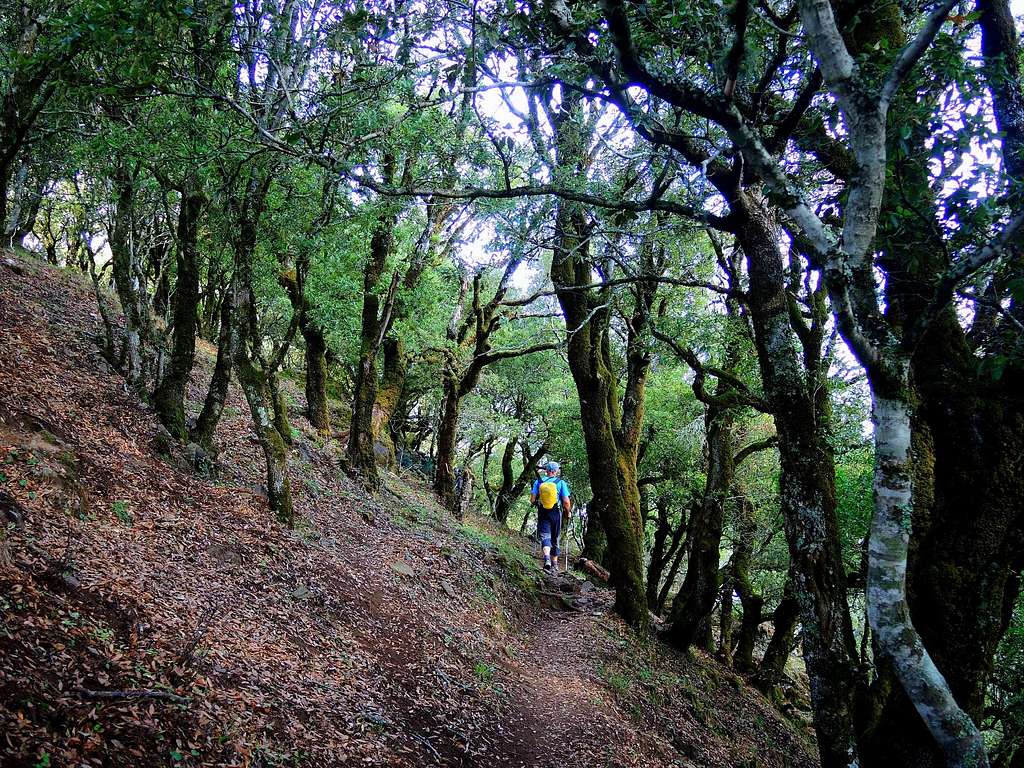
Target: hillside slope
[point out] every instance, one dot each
(154, 617)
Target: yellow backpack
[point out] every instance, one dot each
(548, 494)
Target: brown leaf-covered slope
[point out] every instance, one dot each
(153, 617)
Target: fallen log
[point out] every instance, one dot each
(141, 693)
(593, 569)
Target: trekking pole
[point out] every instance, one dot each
(567, 539)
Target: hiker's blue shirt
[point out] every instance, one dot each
(560, 485)
(549, 521)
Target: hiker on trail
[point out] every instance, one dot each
(550, 494)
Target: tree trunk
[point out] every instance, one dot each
(507, 480)
(389, 394)
(257, 394)
(753, 603)
(361, 455)
(807, 485)
(659, 557)
(281, 421)
(595, 542)
(463, 492)
(612, 467)
(294, 283)
(691, 609)
(666, 553)
(24, 211)
(896, 637)
(126, 281)
(613, 479)
(784, 620)
(213, 405)
(526, 521)
(673, 570)
(447, 427)
(169, 397)
(459, 379)
(109, 351)
(6, 174)
(317, 410)
(263, 405)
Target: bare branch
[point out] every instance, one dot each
(914, 50)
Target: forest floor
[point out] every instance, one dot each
(151, 616)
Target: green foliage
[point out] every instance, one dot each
(121, 511)
(1004, 722)
(483, 671)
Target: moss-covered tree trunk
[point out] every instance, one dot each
(691, 609)
(616, 498)
(753, 603)
(611, 435)
(447, 428)
(275, 452)
(213, 404)
(127, 281)
(169, 397)
(247, 209)
(784, 620)
(373, 328)
(389, 394)
(507, 479)
(807, 485)
(281, 421)
(109, 351)
(595, 542)
(294, 283)
(317, 410)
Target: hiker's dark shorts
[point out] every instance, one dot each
(549, 526)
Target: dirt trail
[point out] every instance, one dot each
(561, 712)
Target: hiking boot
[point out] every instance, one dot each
(547, 565)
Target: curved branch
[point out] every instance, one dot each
(504, 354)
(741, 394)
(760, 445)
